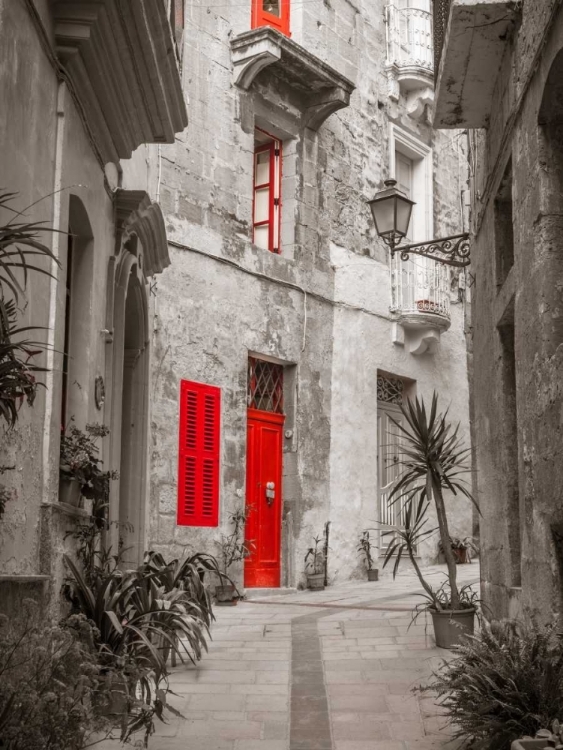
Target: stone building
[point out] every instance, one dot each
(501, 76)
(83, 86)
(283, 339)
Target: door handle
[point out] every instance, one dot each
(270, 492)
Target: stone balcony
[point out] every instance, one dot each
(321, 88)
(122, 65)
(420, 294)
(472, 37)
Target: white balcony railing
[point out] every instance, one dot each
(409, 38)
(420, 291)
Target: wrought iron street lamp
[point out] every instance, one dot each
(392, 211)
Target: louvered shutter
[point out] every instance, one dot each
(198, 471)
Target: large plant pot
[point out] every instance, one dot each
(69, 491)
(451, 626)
(111, 700)
(316, 582)
(529, 743)
(373, 574)
(225, 595)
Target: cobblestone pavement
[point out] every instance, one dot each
(329, 670)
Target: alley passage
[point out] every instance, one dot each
(329, 670)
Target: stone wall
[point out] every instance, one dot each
(321, 307)
(517, 417)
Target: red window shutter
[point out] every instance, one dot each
(274, 13)
(198, 469)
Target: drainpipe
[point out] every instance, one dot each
(58, 237)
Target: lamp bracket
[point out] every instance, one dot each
(451, 251)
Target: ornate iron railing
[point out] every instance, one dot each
(409, 37)
(420, 285)
(441, 17)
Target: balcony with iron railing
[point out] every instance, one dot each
(410, 56)
(420, 301)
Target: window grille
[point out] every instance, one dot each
(265, 386)
(390, 390)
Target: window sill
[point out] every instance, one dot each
(323, 89)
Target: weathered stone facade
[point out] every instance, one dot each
(320, 307)
(74, 110)
(517, 340)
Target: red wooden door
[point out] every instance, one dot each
(264, 498)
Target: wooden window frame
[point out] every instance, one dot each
(261, 18)
(274, 147)
(199, 454)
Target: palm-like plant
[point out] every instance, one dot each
(433, 460)
(20, 252)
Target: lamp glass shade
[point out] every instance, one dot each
(391, 211)
(404, 211)
(384, 214)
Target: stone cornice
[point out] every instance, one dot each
(120, 57)
(137, 215)
(324, 89)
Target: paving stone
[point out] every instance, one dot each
(368, 745)
(359, 703)
(407, 730)
(226, 730)
(266, 703)
(361, 730)
(218, 702)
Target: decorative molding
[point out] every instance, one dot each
(120, 56)
(323, 89)
(137, 215)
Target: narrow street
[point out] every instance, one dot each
(329, 670)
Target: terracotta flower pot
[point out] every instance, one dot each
(316, 582)
(460, 555)
(69, 491)
(373, 574)
(452, 625)
(529, 743)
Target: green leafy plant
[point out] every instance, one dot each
(365, 547)
(234, 547)
(465, 545)
(80, 461)
(315, 557)
(505, 683)
(48, 682)
(20, 252)
(433, 461)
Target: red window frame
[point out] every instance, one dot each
(261, 17)
(198, 454)
(273, 222)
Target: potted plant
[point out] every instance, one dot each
(432, 461)
(233, 548)
(461, 549)
(365, 548)
(80, 469)
(315, 566)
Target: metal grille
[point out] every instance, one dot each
(441, 17)
(265, 386)
(390, 390)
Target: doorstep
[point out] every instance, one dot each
(259, 593)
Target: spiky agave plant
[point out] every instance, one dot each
(433, 460)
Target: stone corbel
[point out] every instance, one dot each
(424, 341)
(323, 105)
(418, 100)
(393, 88)
(250, 59)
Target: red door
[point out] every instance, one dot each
(264, 498)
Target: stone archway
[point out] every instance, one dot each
(142, 252)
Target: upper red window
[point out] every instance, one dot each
(274, 13)
(198, 469)
(267, 192)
